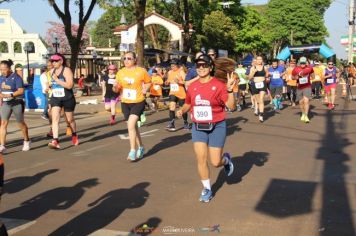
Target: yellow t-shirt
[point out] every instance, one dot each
(132, 84)
(156, 89)
(176, 89)
(318, 73)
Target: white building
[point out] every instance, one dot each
(13, 39)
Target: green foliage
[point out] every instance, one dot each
(17, 47)
(252, 35)
(219, 31)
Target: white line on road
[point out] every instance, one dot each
(143, 134)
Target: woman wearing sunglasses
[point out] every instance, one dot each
(206, 100)
(133, 82)
(62, 97)
(331, 75)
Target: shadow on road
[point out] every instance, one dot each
(18, 184)
(105, 210)
(148, 227)
(242, 165)
(55, 199)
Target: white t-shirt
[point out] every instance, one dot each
(44, 81)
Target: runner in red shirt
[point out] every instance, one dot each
(206, 100)
(302, 74)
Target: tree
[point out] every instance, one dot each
(74, 41)
(59, 30)
(218, 31)
(140, 9)
(251, 37)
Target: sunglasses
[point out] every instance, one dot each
(128, 58)
(55, 60)
(211, 54)
(203, 65)
(330, 64)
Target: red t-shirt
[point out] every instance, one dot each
(207, 101)
(304, 80)
(81, 83)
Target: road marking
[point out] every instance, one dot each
(16, 225)
(85, 152)
(144, 134)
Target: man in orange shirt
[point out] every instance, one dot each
(176, 80)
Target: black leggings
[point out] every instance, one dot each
(292, 93)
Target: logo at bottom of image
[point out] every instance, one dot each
(144, 229)
(177, 230)
(210, 229)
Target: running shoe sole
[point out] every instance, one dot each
(229, 167)
(52, 146)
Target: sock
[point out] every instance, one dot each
(171, 115)
(74, 134)
(113, 116)
(206, 184)
(56, 139)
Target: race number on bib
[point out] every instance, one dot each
(129, 94)
(317, 78)
(203, 113)
(156, 87)
(303, 80)
(174, 87)
(58, 92)
(330, 81)
(9, 98)
(259, 85)
(111, 81)
(276, 75)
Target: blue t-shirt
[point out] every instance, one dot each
(11, 84)
(276, 76)
(192, 73)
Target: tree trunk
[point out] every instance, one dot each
(186, 35)
(153, 32)
(140, 8)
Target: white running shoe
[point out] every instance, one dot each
(26, 146)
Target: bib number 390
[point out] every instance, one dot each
(203, 113)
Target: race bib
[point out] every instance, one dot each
(330, 81)
(58, 92)
(203, 113)
(156, 87)
(276, 75)
(303, 80)
(129, 94)
(259, 85)
(111, 81)
(317, 77)
(174, 87)
(9, 98)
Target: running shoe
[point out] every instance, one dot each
(54, 145)
(44, 117)
(229, 166)
(252, 106)
(69, 131)
(171, 126)
(132, 155)
(280, 106)
(186, 126)
(140, 152)
(256, 112)
(306, 119)
(112, 121)
(26, 146)
(2, 148)
(260, 118)
(206, 195)
(143, 118)
(302, 118)
(331, 106)
(75, 140)
(238, 107)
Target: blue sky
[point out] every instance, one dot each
(32, 16)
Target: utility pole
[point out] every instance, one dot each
(351, 29)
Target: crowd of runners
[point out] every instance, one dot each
(205, 92)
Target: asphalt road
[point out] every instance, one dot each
(290, 178)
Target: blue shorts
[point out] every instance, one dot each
(214, 138)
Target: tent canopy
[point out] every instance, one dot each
(305, 50)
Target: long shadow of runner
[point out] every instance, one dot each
(18, 184)
(242, 166)
(105, 210)
(56, 199)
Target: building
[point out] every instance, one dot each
(13, 39)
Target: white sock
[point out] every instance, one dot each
(206, 184)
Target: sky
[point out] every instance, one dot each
(33, 15)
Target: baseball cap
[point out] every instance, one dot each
(174, 61)
(303, 60)
(204, 58)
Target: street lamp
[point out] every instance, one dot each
(28, 48)
(55, 42)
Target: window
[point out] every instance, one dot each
(31, 46)
(17, 47)
(4, 48)
(2, 21)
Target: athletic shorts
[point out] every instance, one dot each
(306, 92)
(68, 105)
(15, 106)
(175, 99)
(255, 91)
(109, 101)
(133, 109)
(242, 87)
(214, 138)
(328, 88)
(276, 91)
